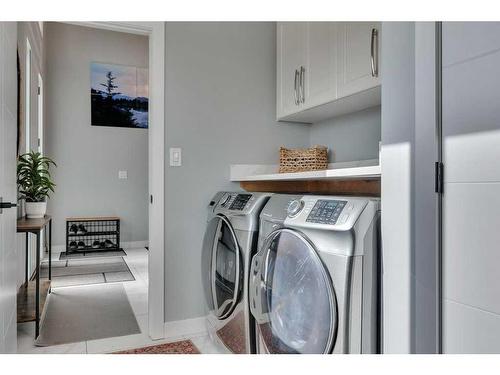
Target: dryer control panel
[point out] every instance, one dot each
(326, 211)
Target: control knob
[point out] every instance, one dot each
(294, 207)
(225, 199)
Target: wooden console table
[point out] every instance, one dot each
(26, 310)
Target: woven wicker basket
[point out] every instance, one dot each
(302, 160)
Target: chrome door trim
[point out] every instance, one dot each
(264, 252)
(373, 51)
(218, 309)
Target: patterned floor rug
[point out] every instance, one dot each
(179, 347)
(71, 272)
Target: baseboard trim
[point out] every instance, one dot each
(186, 328)
(134, 244)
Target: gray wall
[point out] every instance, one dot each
(220, 108)
(355, 136)
(89, 157)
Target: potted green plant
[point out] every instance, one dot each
(34, 182)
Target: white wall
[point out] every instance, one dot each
(28, 31)
(89, 157)
(397, 160)
(409, 203)
(424, 269)
(220, 108)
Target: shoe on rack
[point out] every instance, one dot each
(81, 245)
(96, 245)
(73, 245)
(73, 229)
(109, 244)
(81, 229)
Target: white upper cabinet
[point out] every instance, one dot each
(319, 77)
(358, 57)
(326, 69)
(291, 50)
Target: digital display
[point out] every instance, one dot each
(240, 201)
(326, 211)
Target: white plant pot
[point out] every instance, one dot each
(35, 210)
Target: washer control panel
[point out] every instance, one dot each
(236, 201)
(240, 201)
(326, 211)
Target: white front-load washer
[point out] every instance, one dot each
(229, 243)
(314, 283)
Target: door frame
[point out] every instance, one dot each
(155, 31)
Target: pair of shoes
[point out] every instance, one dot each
(108, 244)
(101, 245)
(77, 246)
(80, 229)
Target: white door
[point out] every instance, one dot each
(291, 56)
(8, 125)
(359, 45)
(321, 66)
(471, 194)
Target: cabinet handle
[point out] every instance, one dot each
(302, 84)
(295, 91)
(373, 52)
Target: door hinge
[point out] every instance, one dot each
(38, 90)
(4, 205)
(439, 177)
(151, 198)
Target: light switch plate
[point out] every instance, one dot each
(175, 157)
(122, 175)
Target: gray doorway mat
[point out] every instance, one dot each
(72, 272)
(93, 254)
(86, 313)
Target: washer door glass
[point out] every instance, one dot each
(297, 297)
(226, 269)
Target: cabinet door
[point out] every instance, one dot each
(359, 57)
(320, 80)
(290, 56)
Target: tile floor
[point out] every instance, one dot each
(137, 292)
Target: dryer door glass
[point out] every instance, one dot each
(226, 270)
(299, 312)
(206, 260)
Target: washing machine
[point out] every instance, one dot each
(315, 280)
(229, 243)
